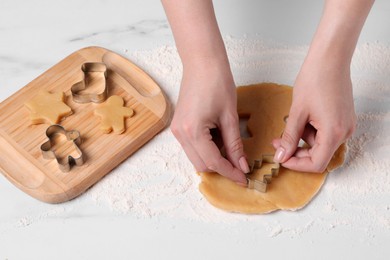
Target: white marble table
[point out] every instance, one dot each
(34, 35)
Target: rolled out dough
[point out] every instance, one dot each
(265, 105)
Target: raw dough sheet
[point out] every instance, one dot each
(266, 106)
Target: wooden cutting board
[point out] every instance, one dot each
(21, 160)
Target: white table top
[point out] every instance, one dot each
(35, 35)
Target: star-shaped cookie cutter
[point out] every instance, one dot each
(47, 147)
(82, 85)
(261, 185)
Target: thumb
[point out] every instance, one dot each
(291, 135)
(233, 144)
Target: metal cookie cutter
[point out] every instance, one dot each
(49, 153)
(82, 85)
(261, 185)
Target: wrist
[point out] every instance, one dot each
(336, 37)
(205, 62)
(204, 74)
(329, 58)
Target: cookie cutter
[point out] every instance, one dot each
(261, 185)
(83, 84)
(49, 153)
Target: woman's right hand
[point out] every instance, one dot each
(207, 97)
(208, 100)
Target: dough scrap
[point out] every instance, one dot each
(48, 108)
(266, 105)
(113, 113)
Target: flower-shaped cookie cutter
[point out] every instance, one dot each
(78, 87)
(261, 185)
(48, 151)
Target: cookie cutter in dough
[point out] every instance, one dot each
(82, 85)
(261, 185)
(49, 153)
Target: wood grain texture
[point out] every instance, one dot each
(21, 160)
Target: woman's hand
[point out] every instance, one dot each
(322, 114)
(322, 111)
(207, 97)
(208, 100)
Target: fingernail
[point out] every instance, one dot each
(212, 168)
(243, 165)
(279, 155)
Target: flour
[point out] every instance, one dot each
(28, 220)
(159, 181)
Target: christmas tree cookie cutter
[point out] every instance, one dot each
(261, 185)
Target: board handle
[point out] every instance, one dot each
(27, 175)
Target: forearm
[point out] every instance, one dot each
(339, 29)
(196, 32)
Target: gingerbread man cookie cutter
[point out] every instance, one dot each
(78, 87)
(49, 153)
(261, 185)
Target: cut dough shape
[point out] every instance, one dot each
(266, 105)
(48, 108)
(113, 113)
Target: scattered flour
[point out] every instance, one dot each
(28, 220)
(159, 181)
(276, 231)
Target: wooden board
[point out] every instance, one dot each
(21, 160)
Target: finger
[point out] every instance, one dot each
(309, 135)
(314, 159)
(217, 137)
(291, 135)
(303, 164)
(233, 144)
(276, 143)
(302, 152)
(212, 158)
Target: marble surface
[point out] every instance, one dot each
(34, 35)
